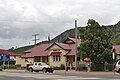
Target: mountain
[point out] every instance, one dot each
(69, 33)
(63, 36)
(115, 28)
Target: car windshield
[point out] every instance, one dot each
(44, 64)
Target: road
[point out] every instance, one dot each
(50, 76)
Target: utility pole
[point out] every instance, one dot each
(35, 35)
(48, 38)
(76, 45)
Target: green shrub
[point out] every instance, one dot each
(56, 68)
(12, 61)
(10, 67)
(0, 68)
(62, 66)
(1, 63)
(97, 67)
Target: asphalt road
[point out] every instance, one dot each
(50, 76)
(15, 78)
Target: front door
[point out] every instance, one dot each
(70, 61)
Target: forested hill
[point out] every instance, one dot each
(115, 28)
(69, 33)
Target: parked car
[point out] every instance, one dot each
(40, 66)
(117, 66)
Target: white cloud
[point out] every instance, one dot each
(19, 19)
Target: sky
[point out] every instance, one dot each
(20, 19)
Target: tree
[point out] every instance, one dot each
(96, 42)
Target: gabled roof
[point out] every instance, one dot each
(37, 51)
(8, 52)
(66, 46)
(28, 55)
(41, 50)
(73, 40)
(61, 45)
(117, 48)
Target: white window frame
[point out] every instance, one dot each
(56, 58)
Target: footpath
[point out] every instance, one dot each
(69, 72)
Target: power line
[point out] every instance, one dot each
(35, 35)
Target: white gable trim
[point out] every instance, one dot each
(55, 47)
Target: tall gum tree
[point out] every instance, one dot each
(96, 42)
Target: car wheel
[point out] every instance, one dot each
(30, 70)
(44, 70)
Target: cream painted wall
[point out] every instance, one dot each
(63, 58)
(22, 61)
(54, 48)
(58, 63)
(17, 59)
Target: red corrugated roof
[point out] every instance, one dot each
(117, 49)
(61, 45)
(69, 47)
(72, 39)
(64, 46)
(73, 46)
(37, 51)
(40, 50)
(72, 51)
(28, 55)
(8, 52)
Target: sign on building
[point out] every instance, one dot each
(1, 57)
(4, 57)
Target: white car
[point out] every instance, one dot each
(117, 66)
(40, 66)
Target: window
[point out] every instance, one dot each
(119, 62)
(56, 58)
(39, 64)
(73, 58)
(26, 59)
(14, 57)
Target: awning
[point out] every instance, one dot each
(55, 53)
(87, 59)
